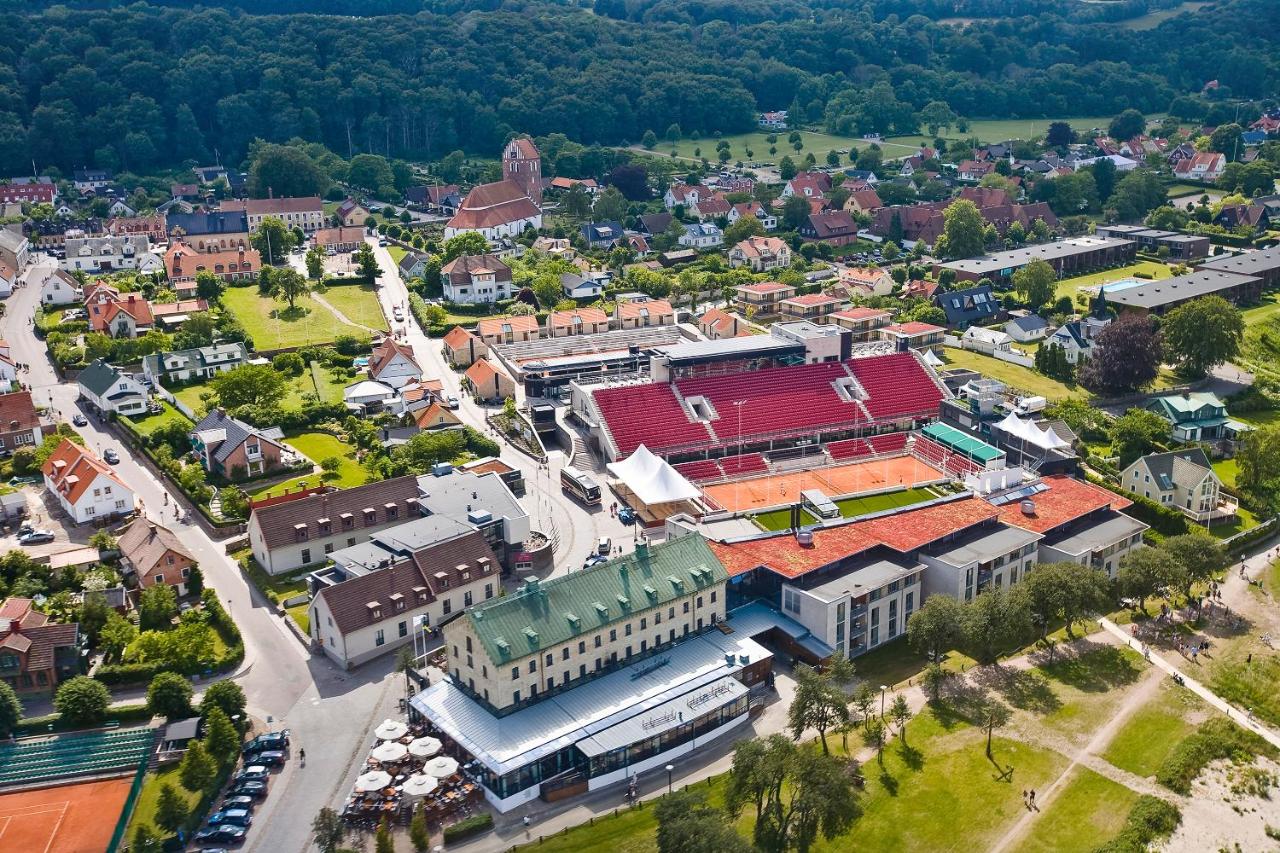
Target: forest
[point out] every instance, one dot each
(145, 86)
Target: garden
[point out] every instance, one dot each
(336, 458)
(273, 325)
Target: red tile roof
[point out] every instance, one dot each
(860, 313)
(17, 412)
(812, 299)
(914, 327)
(457, 338)
(72, 470)
(491, 205)
(1066, 500)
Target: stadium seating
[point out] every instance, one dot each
(700, 470)
(649, 415)
(747, 463)
(778, 399)
(890, 442)
(51, 758)
(930, 451)
(850, 448)
(897, 386)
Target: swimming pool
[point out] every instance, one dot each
(1124, 284)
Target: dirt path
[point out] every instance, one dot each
(342, 318)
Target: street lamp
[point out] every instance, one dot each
(670, 767)
(882, 690)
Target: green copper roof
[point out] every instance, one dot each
(962, 442)
(544, 614)
(1192, 402)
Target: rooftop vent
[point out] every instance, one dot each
(805, 538)
(1028, 507)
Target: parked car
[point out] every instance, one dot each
(627, 515)
(252, 773)
(278, 741)
(594, 560)
(80, 420)
(452, 401)
(35, 537)
(232, 817)
(112, 457)
(224, 834)
(257, 789)
(397, 314)
(240, 801)
(270, 758)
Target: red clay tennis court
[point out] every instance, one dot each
(77, 818)
(851, 478)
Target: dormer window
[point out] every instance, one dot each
(300, 533)
(375, 610)
(393, 511)
(370, 515)
(348, 521)
(325, 525)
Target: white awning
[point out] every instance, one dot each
(932, 360)
(1028, 431)
(651, 479)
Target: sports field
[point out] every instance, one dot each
(75, 818)
(851, 478)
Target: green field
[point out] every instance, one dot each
(146, 426)
(1088, 809)
(1153, 19)
(307, 323)
(1154, 730)
(1015, 376)
(816, 143)
(358, 303)
(329, 389)
(1071, 286)
(318, 446)
(849, 508)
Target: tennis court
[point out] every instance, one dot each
(850, 478)
(76, 818)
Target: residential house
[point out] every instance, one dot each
(120, 208)
(210, 174)
(369, 615)
(183, 264)
(232, 449)
(41, 190)
(834, 227)
(155, 555)
(127, 316)
(193, 365)
(104, 254)
(8, 279)
(463, 347)
(476, 279)
(36, 654)
(368, 397)
(152, 227)
(340, 240)
(717, 324)
(556, 247)
(863, 201)
(1183, 479)
(488, 383)
(210, 231)
(86, 488)
(686, 195)
(863, 322)
(701, 236)
(508, 330)
(393, 363)
(15, 249)
(654, 224)
(642, 315)
(602, 235)
(713, 208)
(443, 199)
(579, 321)
(1197, 416)
(561, 183)
(20, 423)
(90, 180)
(860, 176)
(575, 286)
(912, 335)
(980, 339)
(413, 265)
(1254, 217)
(753, 208)
(918, 288)
(186, 192)
(974, 170)
(865, 281)
(762, 299)
(1074, 339)
(969, 306)
(1206, 166)
(814, 307)
(351, 213)
(1027, 328)
(436, 416)
(761, 254)
(306, 212)
(111, 390)
(60, 288)
(810, 185)
(773, 120)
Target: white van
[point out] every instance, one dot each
(605, 546)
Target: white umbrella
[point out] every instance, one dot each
(440, 767)
(389, 750)
(391, 730)
(374, 780)
(424, 747)
(419, 785)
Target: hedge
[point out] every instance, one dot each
(468, 827)
(115, 674)
(1149, 819)
(1164, 520)
(1216, 739)
(120, 714)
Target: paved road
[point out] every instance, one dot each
(328, 710)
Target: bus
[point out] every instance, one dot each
(580, 485)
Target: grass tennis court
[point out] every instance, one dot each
(852, 478)
(849, 507)
(67, 819)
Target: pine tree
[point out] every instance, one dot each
(196, 770)
(171, 808)
(419, 834)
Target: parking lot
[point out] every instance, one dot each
(43, 514)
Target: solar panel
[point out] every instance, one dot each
(1018, 494)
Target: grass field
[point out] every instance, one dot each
(1015, 376)
(329, 389)
(144, 811)
(272, 325)
(318, 446)
(1086, 690)
(146, 426)
(1090, 808)
(1071, 286)
(816, 143)
(1153, 19)
(397, 253)
(1154, 730)
(358, 303)
(849, 507)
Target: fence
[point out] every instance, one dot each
(1014, 357)
(130, 802)
(164, 394)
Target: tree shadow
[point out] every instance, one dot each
(911, 757)
(889, 783)
(1021, 688)
(1005, 774)
(290, 315)
(1093, 670)
(959, 703)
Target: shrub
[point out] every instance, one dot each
(82, 701)
(1149, 819)
(1218, 738)
(288, 362)
(468, 827)
(116, 674)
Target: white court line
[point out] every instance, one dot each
(4, 826)
(42, 808)
(57, 826)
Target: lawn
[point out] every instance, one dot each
(849, 508)
(1015, 376)
(1152, 732)
(1178, 190)
(358, 303)
(273, 325)
(151, 423)
(1089, 809)
(816, 143)
(318, 446)
(301, 616)
(1074, 695)
(1071, 286)
(397, 253)
(144, 810)
(1267, 308)
(319, 380)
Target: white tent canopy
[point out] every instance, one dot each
(374, 780)
(1029, 432)
(389, 750)
(419, 785)
(931, 359)
(424, 747)
(651, 479)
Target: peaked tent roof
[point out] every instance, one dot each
(652, 479)
(1028, 431)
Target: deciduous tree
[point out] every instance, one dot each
(82, 701)
(1202, 333)
(157, 606)
(10, 709)
(169, 696)
(249, 385)
(1136, 433)
(935, 627)
(1035, 283)
(1126, 357)
(963, 229)
(688, 824)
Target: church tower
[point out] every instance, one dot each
(522, 164)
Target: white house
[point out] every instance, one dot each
(60, 288)
(188, 364)
(369, 397)
(473, 279)
(111, 390)
(1071, 337)
(1183, 479)
(392, 363)
(685, 194)
(978, 339)
(84, 485)
(1025, 329)
(579, 287)
(15, 249)
(105, 254)
(701, 236)
(8, 278)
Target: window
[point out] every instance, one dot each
(488, 591)
(564, 653)
(686, 607)
(551, 681)
(533, 666)
(448, 607)
(466, 598)
(582, 647)
(627, 629)
(159, 578)
(515, 673)
(790, 600)
(713, 596)
(582, 671)
(379, 638)
(515, 696)
(699, 601)
(550, 659)
(351, 541)
(404, 628)
(328, 547)
(597, 641)
(306, 555)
